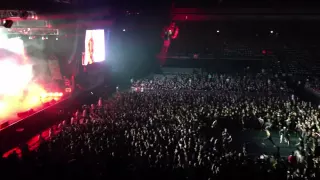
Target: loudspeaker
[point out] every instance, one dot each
(7, 23)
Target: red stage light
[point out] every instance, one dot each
(264, 52)
(52, 95)
(25, 114)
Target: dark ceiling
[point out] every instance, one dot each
(246, 3)
(52, 5)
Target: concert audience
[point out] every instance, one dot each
(179, 127)
(215, 82)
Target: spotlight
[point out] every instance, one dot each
(7, 23)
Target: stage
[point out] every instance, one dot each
(21, 130)
(10, 115)
(28, 129)
(5, 123)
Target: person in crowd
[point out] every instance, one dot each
(179, 130)
(269, 137)
(284, 136)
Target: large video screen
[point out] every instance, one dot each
(94, 47)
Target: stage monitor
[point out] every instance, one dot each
(94, 47)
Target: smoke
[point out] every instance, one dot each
(36, 48)
(18, 90)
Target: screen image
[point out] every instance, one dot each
(94, 47)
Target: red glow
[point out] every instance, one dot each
(264, 52)
(194, 17)
(19, 99)
(169, 33)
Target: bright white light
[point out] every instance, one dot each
(2, 105)
(14, 45)
(124, 30)
(14, 77)
(218, 31)
(271, 32)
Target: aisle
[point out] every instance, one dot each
(257, 145)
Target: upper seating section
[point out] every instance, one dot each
(215, 40)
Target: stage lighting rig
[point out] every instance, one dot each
(7, 16)
(17, 14)
(34, 31)
(7, 23)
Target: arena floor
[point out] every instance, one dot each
(256, 145)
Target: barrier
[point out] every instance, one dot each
(4, 125)
(31, 124)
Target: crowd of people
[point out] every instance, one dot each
(260, 82)
(181, 127)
